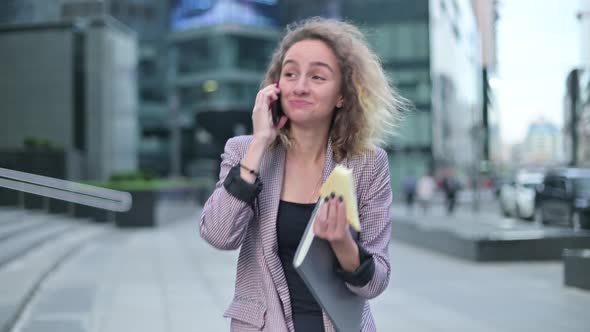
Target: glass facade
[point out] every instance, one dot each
(216, 73)
(149, 19)
(220, 70)
(432, 59)
(400, 41)
(188, 14)
(456, 87)
(583, 126)
(398, 31)
(222, 52)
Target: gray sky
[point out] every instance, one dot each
(538, 43)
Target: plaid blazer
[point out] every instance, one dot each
(261, 301)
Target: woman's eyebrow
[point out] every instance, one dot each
(314, 63)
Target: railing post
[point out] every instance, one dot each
(70, 209)
(21, 200)
(111, 216)
(46, 204)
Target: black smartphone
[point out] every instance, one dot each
(276, 110)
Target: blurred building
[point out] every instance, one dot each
(295, 10)
(571, 117)
(149, 19)
(486, 14)
(218, 51)
(576, 114)
(207, 69)
(542, 144)
(29, 11)
(583, 125)
(583, 17)
(583, 104)
(576, 109)
(516, 154)
(431, 49)
(73, 84)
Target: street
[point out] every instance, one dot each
(169, 279)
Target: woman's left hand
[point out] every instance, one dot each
(331, 223)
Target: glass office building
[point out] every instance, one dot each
(430, 50)
(576, 118)
(208, 58)
(218, 52)
(584, 118)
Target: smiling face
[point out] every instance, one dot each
(310, 83)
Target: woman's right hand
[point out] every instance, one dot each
(263, 127)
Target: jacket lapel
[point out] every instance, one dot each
(273, 166)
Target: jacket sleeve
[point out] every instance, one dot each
(376, 227)
(225, 217)
(363, 274)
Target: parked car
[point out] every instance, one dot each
(517, 198)
(564, 197)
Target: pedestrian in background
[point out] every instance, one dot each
(425, 191)
(409, 188)
(451, 187)
(337, 103)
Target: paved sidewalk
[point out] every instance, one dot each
(142, 280)
(170, 280)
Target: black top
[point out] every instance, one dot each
(292, 220)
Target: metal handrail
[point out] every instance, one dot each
(74, 192)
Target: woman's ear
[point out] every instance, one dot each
(340, 102)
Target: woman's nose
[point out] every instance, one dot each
(301, 86)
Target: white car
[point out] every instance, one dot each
(517, 198)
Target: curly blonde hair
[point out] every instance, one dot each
(372, 106)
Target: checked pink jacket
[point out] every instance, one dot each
(261, 300)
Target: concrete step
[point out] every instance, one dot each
(24, 241)
(10, 214)
(14, 227)
(576, 271)
(486, 238)
(21, 278)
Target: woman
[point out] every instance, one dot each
(337, 105)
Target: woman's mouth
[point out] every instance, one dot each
(299, 103)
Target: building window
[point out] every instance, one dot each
(413, 84)
(401, 41)
(456, 31)
(457, 9)
(443, 6)
(115, 8)
(250, 53)
(132, 10)
(148, 13)
(194, 56)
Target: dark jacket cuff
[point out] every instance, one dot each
(363, 274)
(239, 188)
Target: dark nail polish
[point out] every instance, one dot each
(340, 198)
(326, 199)
(333, 194)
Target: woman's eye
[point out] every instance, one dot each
(316, 77)
(289, 75)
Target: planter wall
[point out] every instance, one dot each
(151, 208)
(158, 207)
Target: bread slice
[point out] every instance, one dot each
(341, 183)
